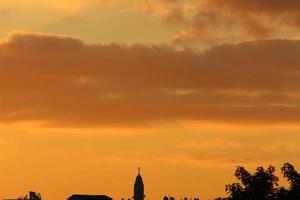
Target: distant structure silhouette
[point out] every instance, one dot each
(139, 187)
(32, 196)
(89, 197)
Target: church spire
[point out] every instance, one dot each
(139, 187)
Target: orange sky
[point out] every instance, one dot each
(188, 89)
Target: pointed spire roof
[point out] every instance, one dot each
(139, 178)
(139, 187)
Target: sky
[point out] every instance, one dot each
(90, 90)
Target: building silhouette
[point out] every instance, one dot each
(32, 196)
(88, 197)
(139, 187)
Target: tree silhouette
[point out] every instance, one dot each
(293, 178)
(263, 184)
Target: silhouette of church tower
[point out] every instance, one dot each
(139, 187)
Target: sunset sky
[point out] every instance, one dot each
(90, 90)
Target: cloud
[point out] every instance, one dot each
(209, 159)
(219, 21)
(231, 152)
(261, 17)
(208, 144)
(66, 6)
(61, 81)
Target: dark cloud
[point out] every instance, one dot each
(63, 82)
(275, 7)
(217, 21)
(264, 16)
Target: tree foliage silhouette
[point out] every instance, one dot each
(293, 178)
(263, 184)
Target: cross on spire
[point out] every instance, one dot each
(139, 170)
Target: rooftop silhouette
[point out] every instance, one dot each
(89, 197)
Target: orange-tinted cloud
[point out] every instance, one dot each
(224, 151)
(261, 17)
(218, 21)
(64, 5)
(63, 82)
